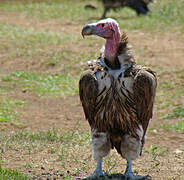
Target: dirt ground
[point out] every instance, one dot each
(162, 49)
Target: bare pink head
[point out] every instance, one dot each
(108, 29)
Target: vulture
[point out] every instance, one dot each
(117, 96)
(140, 6)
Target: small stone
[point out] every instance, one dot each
(178, 151)
(24, 90)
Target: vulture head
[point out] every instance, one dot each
(107, 29)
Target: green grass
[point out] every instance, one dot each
(180, 73)
(33, 36)
(7, 109)
(41, 136)
(176, 113)
(59, 147)
(3, 89)
(157, 150)
(65, 10)
(169, 93)
(29, 42)
(42, 48)
(49, 136)
(8, 174)
(178, 126)
(29, 36)
(51, 139)
(164, 13)
(56, 85)
(70, 61)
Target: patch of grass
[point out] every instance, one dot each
(179, 126)
(65, 57)
(55, 9)
(4, 89)
(32, 37)
(29, 42)
(1, 90)
(58, 85)
(7, 112)
(41, 48)
(61, 147)
(48, 137)
(180, 73)
(67, 178)
(157, 150)
(182, 147)
(52, 150)
(169, 94)
(176, 113)
(69, 61)
(8, 174)
(164, 13)
(167, 86)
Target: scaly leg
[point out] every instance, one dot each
(129, 175)
(98, 171)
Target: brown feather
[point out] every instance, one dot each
(118, 109)
(88, 90)
(123, 49)
(144, 91)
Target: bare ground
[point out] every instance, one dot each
(42, 113)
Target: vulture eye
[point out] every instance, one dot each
(112, 30)
(104, 25)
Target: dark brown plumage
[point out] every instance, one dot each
(118, 102)
(130, 110)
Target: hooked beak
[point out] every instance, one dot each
(87, 30)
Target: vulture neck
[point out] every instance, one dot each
(111, 47)
(117, 53)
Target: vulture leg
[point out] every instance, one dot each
(98, 171)
(101, 146)
(129, 175)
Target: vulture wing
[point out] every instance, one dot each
(88, 90)
(144, 92)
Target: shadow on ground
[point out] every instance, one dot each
(114, 177)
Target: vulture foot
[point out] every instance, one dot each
(98, 171)
(131, 176)
(95, 175)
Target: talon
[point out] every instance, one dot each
(131, 176)
(94, 176)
